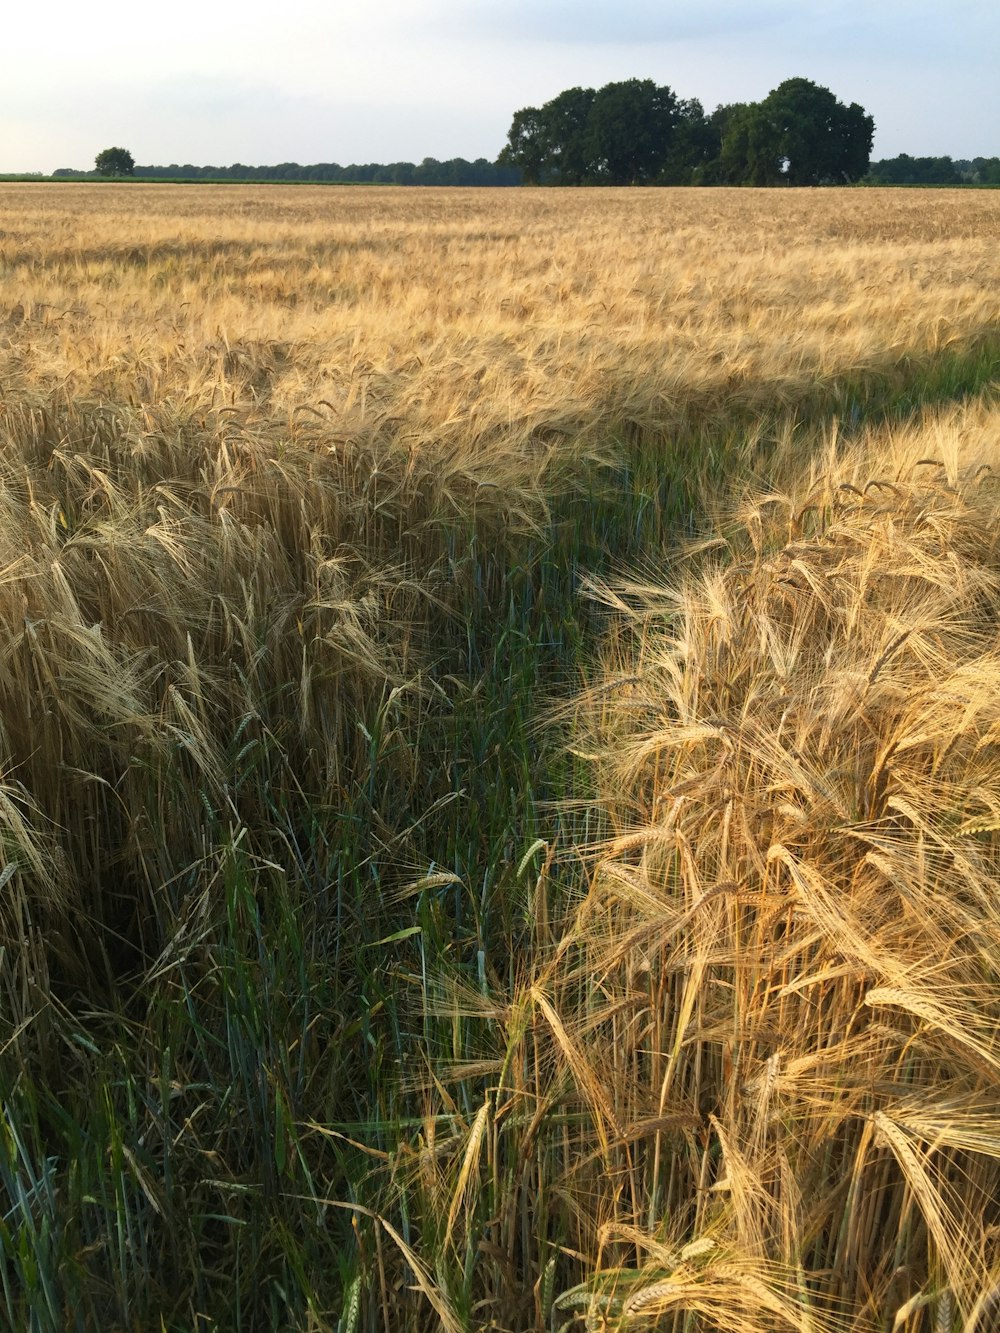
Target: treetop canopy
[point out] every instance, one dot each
(636, 132)
(115, 162)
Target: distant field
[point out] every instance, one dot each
(577, 307)
(428, 900)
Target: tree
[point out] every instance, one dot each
(527, 145)
(712, 170)
(631, 124)
(799, 135)
(907, 170)
(551, 142)
(115, 162)
(694, 144)
(620, 135)
(751, 148)
(566, 121)
(853, 135)
(636, 132)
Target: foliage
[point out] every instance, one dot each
(527, 147)
(621, 134)
(694, 145)
(430, 171)
(630, 126)
(801, 134)
(635, 132)
(115, 162)
(907, 170)
(565, 123)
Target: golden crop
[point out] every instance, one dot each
(300, 492)
(463, 317)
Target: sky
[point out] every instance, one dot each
(254, 81)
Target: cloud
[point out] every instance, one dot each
(595, 22)
(408, 78)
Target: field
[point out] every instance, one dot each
(499, 759)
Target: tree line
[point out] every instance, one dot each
(907, 170)
(634, 132)
(637, 132)
(454, 171)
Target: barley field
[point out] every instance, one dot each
(499, 759)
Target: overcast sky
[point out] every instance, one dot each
(216, 81)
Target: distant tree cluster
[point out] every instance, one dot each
(639, 133)
(455, 171)
(114, 162)
(907, 170)
(631, 133)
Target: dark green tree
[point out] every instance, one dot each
(527, 146)
(723, 117)
(852, 136)
(751, 150)
(630, 129)
(907, 170)
(799, 135)
(636, 132)
(566, 121)
(115, 162)
(621, 135)
(694, 144)
(708, 169)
